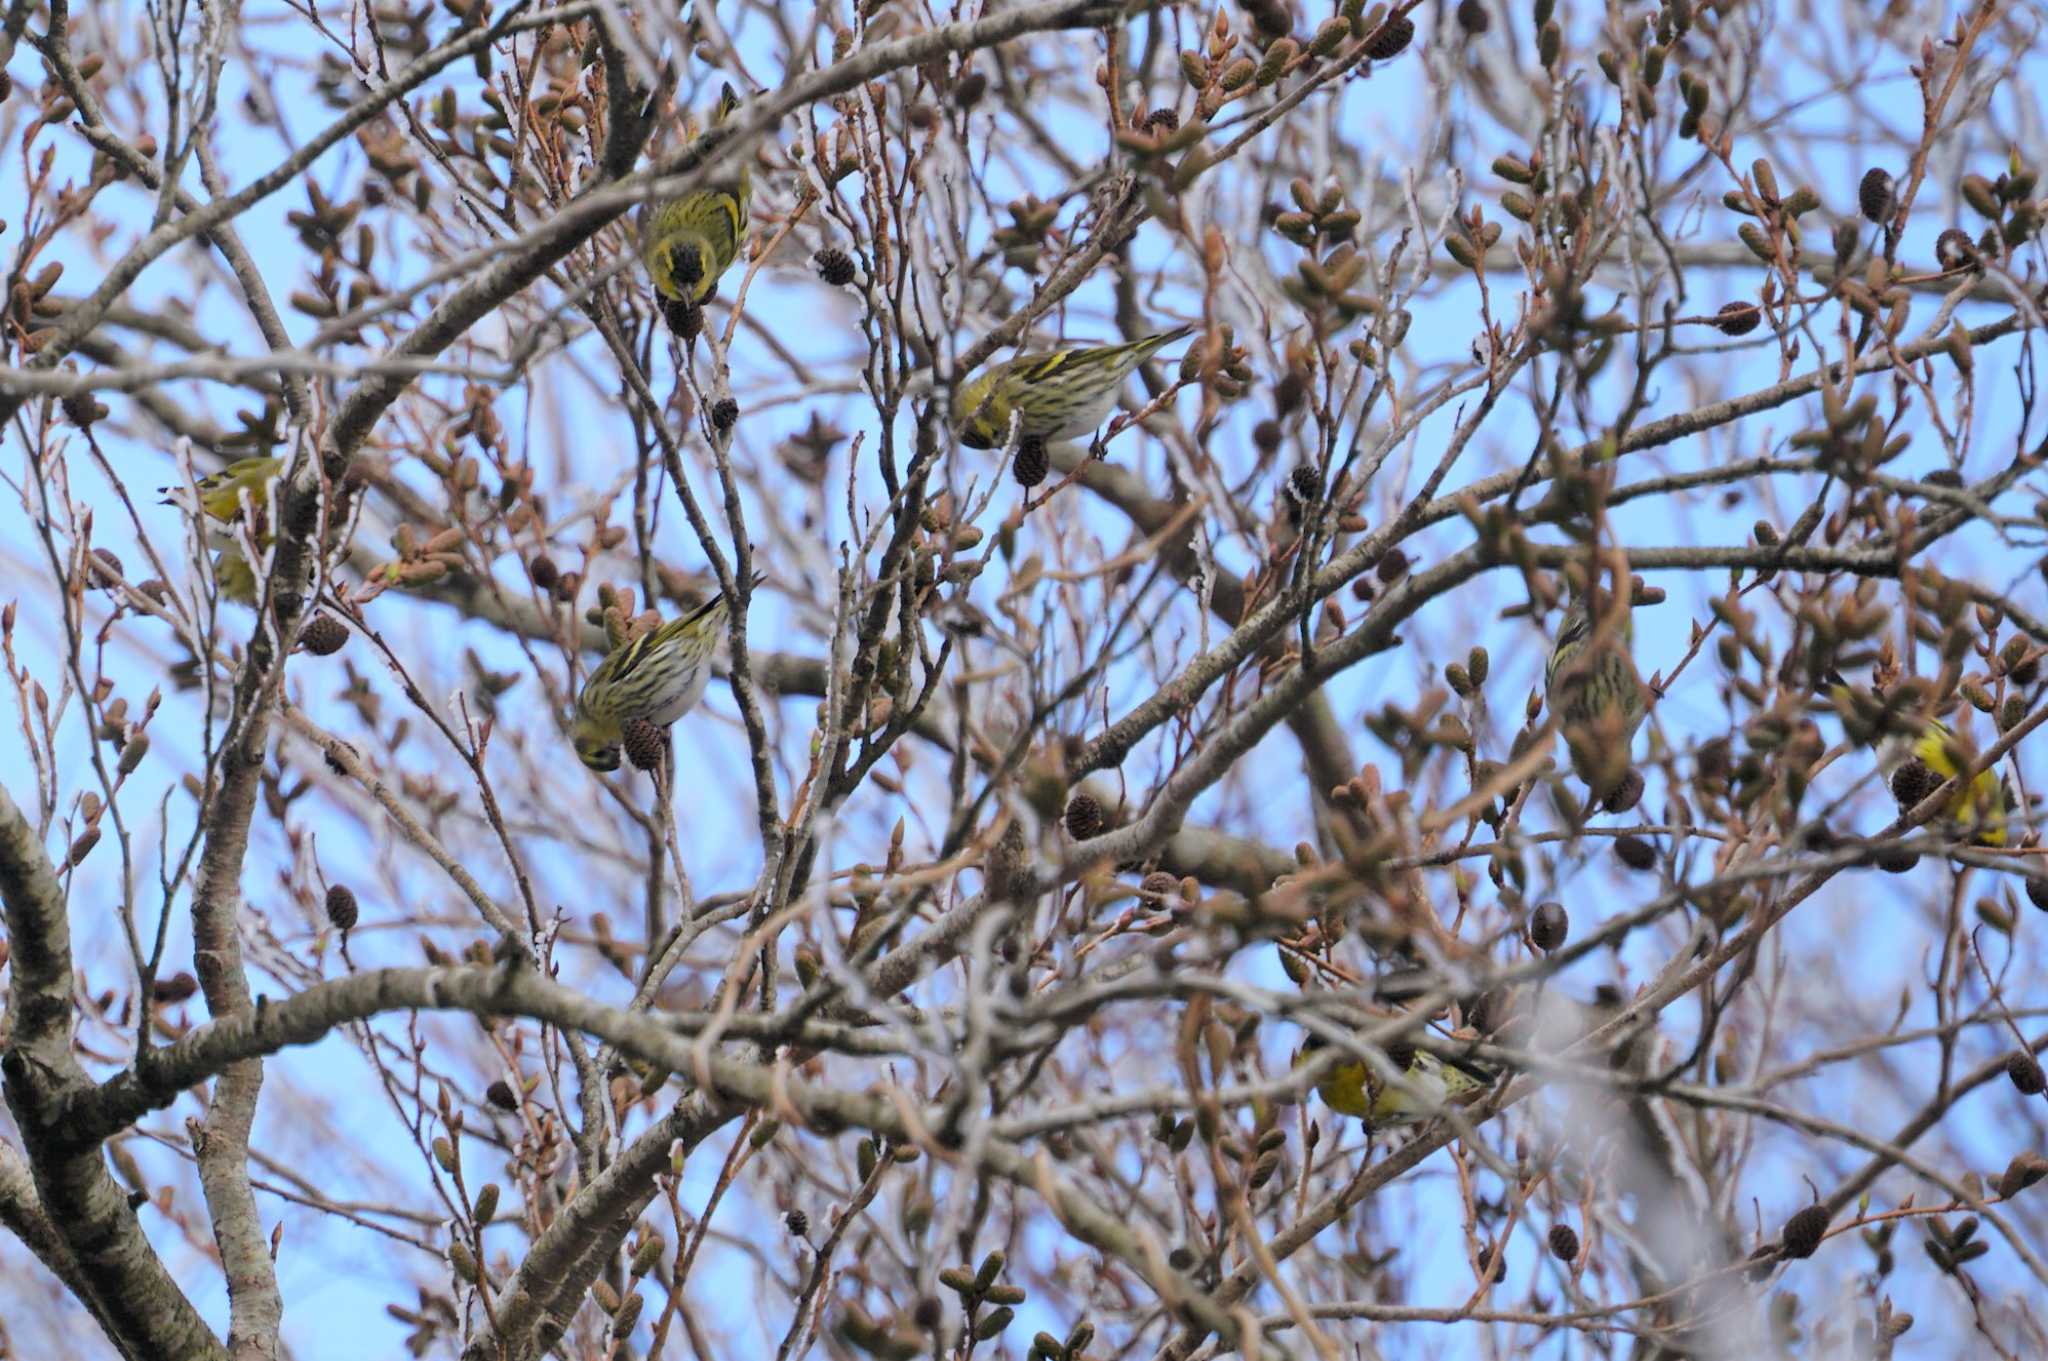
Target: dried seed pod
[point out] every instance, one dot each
(797, 1222)
(324, 635)
(1635, 852)
(1737, 318)
(1472, 17)
(724, 412)
(1031, 464)
(685, 320)
(1803, 1232)
(644, 743)
(1953, 249)
(1394, 35)
(2025, 1072)
(103, 569)
(341, 907)
(1549, 925)
(1084, 817)
(835, 266)
(1158, 886)
(1564, 1243)
(1874, 194)
(170, 991)
(1913, 781)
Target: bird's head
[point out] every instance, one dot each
(595, 747)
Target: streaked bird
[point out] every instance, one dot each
(1591, 684)
(657, 677)
(1061, 393)
(1918, 753)
(235, 575)
(220, 493)
(687, 243)
(1354, 1088)
(220, 498)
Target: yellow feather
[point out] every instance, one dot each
(1353, 1088)
(701, 233)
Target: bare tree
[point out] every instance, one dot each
(1077, 839)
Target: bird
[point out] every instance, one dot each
(234, 574)
(220, 493)
(1061, 393)
(657, 678)
(1977, 809)
(1591, 684)
(688, 242)
(1919, 753)
(1353, 1088)
(220, 498)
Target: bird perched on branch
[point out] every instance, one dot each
(237, 492)
(1429, 1084)
(655, 678)
(1060, 393)
(220, 494)
(1918, 753)
(1591, 684)
(688, 242)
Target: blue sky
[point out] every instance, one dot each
(335, 1273)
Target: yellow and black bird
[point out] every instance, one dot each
(1056, 394)
(1592, 686)
(221, 498)
(1918, 753)
(1430, 1084)
(688, 242)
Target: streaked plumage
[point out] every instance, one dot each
(220, 498)
(1062, 393)
(234, 576)
(221, 493)
(1596, 692)
(1917, 754)
(1353, 1088)
(658, 676)
(1978, 807)
(688, 242)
